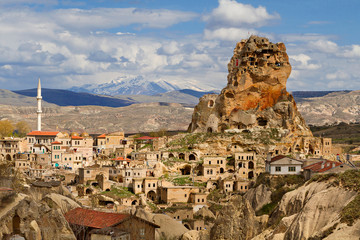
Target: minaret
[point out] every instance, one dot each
(38, 98)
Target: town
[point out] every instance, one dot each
(186, 176)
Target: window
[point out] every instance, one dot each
(277, 169)
(292, 169)
(142, 231)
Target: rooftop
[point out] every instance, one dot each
(42, 133)
(322, 166)
(94, 219)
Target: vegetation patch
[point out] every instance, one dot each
(216, 195)
(180, 181)
(275, 182)
(266, 209)
(351, 212)
(118, 192)
(349, 179)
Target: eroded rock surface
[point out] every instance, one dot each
(255, 95)
(258, 196)
(237, 220)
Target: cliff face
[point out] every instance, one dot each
(255, 95)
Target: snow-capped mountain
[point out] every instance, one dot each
(128, 86)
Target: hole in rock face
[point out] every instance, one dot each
(262, 121)
(236, 84)
(211, 103)
(209, 130)
(229, 95)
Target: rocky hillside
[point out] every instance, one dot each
(34, 211)
(144, 117)
(325, 207)
(332, 108)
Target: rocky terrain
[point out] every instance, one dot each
(144, 117)
(324, 208)
(332, 108)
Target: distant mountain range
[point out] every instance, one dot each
(149, 113)
(187, 97)
(128, 86)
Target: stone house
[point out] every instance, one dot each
(198, 198)
(180, 213)
(227, 185)
(241, 186)
(210, 171)
(10, 146)
(220, 162)
(173, 194)
(245, 164)
(150, 188)
(92, 173)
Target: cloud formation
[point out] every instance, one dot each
(72, 47)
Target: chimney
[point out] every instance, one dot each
(268, 157)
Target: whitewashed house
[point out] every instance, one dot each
(280, 165)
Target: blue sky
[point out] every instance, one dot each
(188, 43)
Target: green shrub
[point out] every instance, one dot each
(351, 212)
(266, 209)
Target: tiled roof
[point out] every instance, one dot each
(94, 219)
(56, 142)
(77, 137)
(42, 133)
(121, 159)
(277, 158)
(322, 166)
(145, 138)
(102, 136)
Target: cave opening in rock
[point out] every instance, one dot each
(229, 95)
(262, 121)
(211, 103)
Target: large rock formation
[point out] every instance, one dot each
(255, 95)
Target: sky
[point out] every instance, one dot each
(187, 43)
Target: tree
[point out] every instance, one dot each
(22, 128)
(6, 128)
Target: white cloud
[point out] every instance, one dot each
(325, 46)
(337, 75)
(306, 37)
(352, 52)
(302, 62)
(228, 34)
(337, 85)
(230, 13)
(105, 18)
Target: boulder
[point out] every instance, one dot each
(258, 196)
